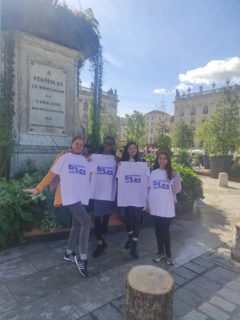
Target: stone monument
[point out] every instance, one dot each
(45, 100)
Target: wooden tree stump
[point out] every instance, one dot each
(235, 252)
(149, 294)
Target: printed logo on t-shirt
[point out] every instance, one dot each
(133, 178)
(161, 184)
(76, 168)
(105, 170)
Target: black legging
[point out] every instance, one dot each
(133, 220)
(162, 231)
(101, 225)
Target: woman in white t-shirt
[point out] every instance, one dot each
(133, 214)
(102, 205)
(164, 184)
(73, 171)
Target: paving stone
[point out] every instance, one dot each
(207, 284)
(236, 317)
(178, 280)
(107, 313)
(220, 275)
(185, 273)
(87, 317)
(201, 292)
(223, 259)
(213, 311)
(118, 303)
(230, 295)
(195, 315)
(203, 263)
(234, 285)
(40, 262)
(188, 297)
(15, 268)
(180, 308)
(31, 287)
(7, 300)
(222, 303)
(195, 267)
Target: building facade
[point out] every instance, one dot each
(108, 107)
(156, 120)
(195, 108)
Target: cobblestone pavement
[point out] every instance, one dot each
(36, 284)
(207, 288)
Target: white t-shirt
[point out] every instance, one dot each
(103, 177)
(160, 197)
(132, 184)
(74, 178)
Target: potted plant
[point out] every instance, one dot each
(191, 188)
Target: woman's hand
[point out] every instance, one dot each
(33, 191)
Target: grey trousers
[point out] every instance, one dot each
(81, 225)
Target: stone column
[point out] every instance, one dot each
(149, 294)
(235, 252)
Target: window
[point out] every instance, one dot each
(181, 113)
(205, 109)
(85, 106)
(151, 131)
(193, 111)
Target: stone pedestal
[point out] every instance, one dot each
(223, 179)
(235, 252)
(149, 294)
(45, 101)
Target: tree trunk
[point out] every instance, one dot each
(149, 294)
(235, 252)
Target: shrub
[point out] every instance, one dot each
(18, 212)
(191, 186)
(183, 157)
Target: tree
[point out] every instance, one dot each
(109, 127)
(221, 133)
(183, 136)
(162, 138)
(135, 127)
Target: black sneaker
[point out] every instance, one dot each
(128, 244)
(104, 244)
(134, 252)
(98, 251)
(82, 266)
(69, 257)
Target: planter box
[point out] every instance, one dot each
(206, 162)
(38, 235)
(220, 164)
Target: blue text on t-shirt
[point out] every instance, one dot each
(133, 178)
(161, 184)
(76, 168)
(105, 170)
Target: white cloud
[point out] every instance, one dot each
(160, 91)
(217, 71)
(109, 58)
(183, 86)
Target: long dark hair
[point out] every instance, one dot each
(113, 151)
(76, 138)
(125, 155)
(169, 163)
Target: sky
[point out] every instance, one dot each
(152, 47)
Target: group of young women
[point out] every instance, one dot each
(80, 177)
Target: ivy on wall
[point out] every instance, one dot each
(6, 104)
(56, 23)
